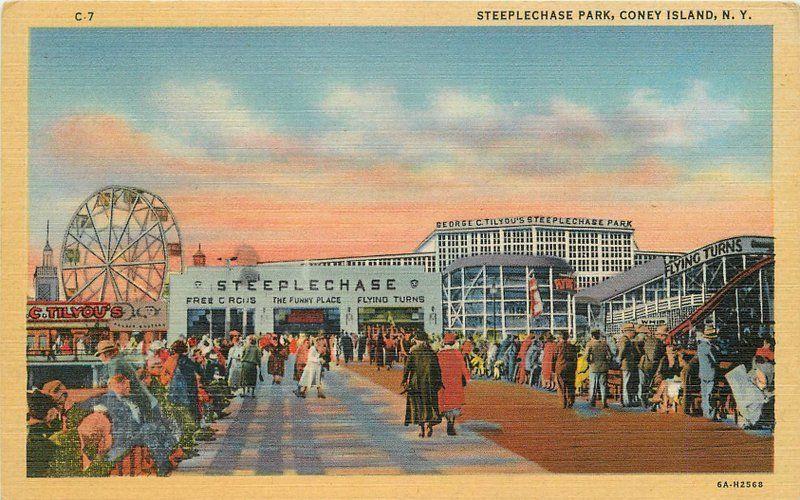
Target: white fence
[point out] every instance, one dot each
(655, 308)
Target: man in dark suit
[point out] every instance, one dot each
(652, 350)
(361, 346)
(346, 343)
(629, 364)
(566, 364)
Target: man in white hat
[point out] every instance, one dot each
(707, 356)
(116, 363)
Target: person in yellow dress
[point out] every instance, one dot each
(582, 372)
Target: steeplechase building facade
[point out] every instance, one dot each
(292, 299)
(589, 251)
(595, 248)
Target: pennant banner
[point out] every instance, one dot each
(535, 298)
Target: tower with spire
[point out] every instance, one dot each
(199, 258)
(45, 277)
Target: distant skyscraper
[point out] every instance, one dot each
(46, 276)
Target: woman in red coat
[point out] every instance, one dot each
(548, 361)
(303, 347)
(522, 374)
(455, 376)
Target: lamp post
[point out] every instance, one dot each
(493, 291)
(227, 327)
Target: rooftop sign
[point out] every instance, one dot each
(535, 220)
(119, 316)
(72, 311)
(742, 245)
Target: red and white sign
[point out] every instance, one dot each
(71, 312)
(565, 283)
(535, 298)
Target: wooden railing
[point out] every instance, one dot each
(41, 356)
(655, 307)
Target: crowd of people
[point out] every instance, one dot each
(166, 405)
(381, 345)
(163, 405)
(644, 368)
(640, 367)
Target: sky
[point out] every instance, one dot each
(326, 142)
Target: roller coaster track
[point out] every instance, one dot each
(709, 305)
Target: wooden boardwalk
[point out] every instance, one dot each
(357, 429)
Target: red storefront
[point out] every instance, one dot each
(62, 329)
(65, 327)
(62, 336)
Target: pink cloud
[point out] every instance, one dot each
(95, 140)
(380, 181)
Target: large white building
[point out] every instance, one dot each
(291, 299)
(595, 248)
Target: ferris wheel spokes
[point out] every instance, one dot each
(134, 258)
(131, 282)
(94, 228)
(136, 240)
(87, 247)
(147, 247)
(132, 207)
(89, 283)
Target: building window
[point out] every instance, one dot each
(198, 322)
(218, 323)
(251, 322)
(551, 242)
(237, 320)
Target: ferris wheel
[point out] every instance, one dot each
(120, 246)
